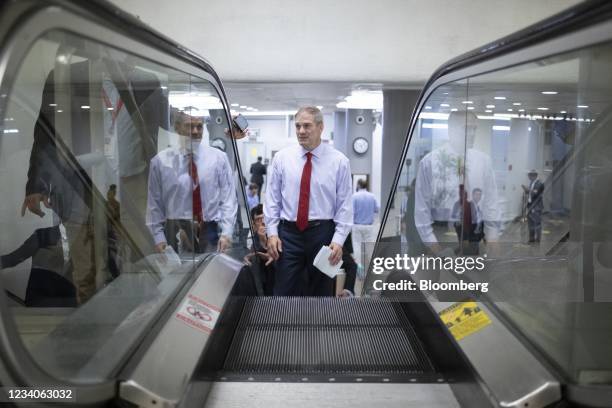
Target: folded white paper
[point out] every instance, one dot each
(321, 262)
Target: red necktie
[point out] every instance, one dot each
(302, 215)
(197, 200)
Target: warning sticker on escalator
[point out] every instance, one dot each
(464, 318)
(198, 314)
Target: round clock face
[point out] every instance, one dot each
(219, 144)
(360, 145)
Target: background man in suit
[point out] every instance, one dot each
(535, 206)
(258, 170)
(307, 205)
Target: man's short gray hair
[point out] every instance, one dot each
(313, 110)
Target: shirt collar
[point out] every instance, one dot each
(316, 152)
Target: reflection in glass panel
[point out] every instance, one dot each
(548, 139)
(86, 133)
(515, 165)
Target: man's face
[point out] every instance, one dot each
(476, 196)
(260, 225)
(532, 176)
(308, 132)
(190, 126)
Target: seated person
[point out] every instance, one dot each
(350, 268)
(258, 259)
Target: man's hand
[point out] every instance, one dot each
(236, 133)
(266, 257)
(345, 294)
(32, 203)
(224, 243)
(247, 259)
(336, 254)
(275, 247)
(161, 247)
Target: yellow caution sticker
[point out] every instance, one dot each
(464, 318)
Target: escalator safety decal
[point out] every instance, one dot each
(198, 314)
(464, 319)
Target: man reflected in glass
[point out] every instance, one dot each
(191, 204)
(444, 179)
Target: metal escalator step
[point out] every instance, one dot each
(325, 336)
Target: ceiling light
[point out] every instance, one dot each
(53, 104)
(163, 87)
(488, 111)
(59, 111)
(235, 104)
(319, 107)
(563, 112)
(85, 106)
(582, 106)
(504, 128)
(428, 107)
(454, 110)
(434, 126)
(517, 104)
(521, 110)
(270, 113)
(193, 101)
(445, 93)
(362, 100)
(543, 109)
(433, 115)
(470, 108)
(501, 98)
(11, 130)
(243, 107)
(444, 105)
(467, 102)
(549, 92)
(510, 110)
(490, 106)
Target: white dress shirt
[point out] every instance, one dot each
(437, 189)
(330, 189)
(170, 189)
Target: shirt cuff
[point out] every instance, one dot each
(272, 228)
(339, 238)
(160, 237)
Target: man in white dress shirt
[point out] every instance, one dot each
(191, 190)
(307, 205)
(440, 175)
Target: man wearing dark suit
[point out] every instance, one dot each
(535, 206)
(258, 170)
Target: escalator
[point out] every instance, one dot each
(189, 330)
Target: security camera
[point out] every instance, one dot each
(219, 120)
(360, 120)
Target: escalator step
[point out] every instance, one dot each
(325, 336)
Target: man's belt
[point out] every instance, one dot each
(311, 224)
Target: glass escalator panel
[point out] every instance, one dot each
(111, 196)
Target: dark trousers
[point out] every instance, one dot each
(208, 236)
(299, 251)
(534, 222)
